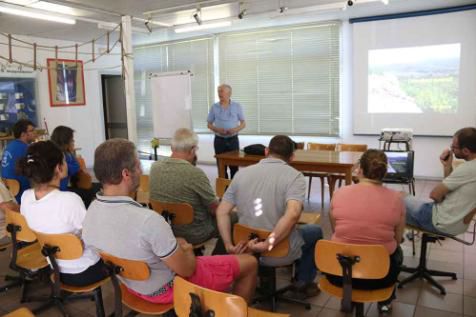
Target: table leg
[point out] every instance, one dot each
(221, 168)
(348, 176)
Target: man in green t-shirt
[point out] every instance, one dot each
(176, 179)
(454, 203)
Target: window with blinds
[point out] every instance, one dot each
(195, 55)
(286, 79)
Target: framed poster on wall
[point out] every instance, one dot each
(66, 82)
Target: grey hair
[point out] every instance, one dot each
(184, 140)
(225, 86)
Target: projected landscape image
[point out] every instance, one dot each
(414, 80)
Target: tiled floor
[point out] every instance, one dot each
(417, 299)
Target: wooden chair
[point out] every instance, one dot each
(322, 176)
(26, 257)
(136, 271)
(422, 271)
(177, 214)
(67, 246)
(13, 185)
(20, 312)
(85, 181)
(244, 233)
(364, 262)
(174, 213)
(334, 178)
(222, 304)
(142, 195)
(221, 185)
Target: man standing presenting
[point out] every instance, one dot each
(453, 204)
(24, 134)
(226, 119)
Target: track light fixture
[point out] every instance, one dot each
(282, 9)
(148, 26)
(197, 16)
(242, 14)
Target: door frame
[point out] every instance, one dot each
(102, 77)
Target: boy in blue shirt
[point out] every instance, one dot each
(24, 133)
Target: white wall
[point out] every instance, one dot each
(86, 120)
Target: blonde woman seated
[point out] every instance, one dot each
(49, 210)
(368, 213)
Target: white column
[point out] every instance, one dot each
(129, 78)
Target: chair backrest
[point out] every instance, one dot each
(69, 246)
(130, 269)
(20, 312)
(353, 147)
(221, 186)
(23, 232)
(321, 146)
(182, 212)
(85, 181)
(143, 183)
(244, 233)
(222, 304)
(13, 185)
(374, 261)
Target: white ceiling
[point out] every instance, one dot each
(259, 13)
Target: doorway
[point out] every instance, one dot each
(114, 105)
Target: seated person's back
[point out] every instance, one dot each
(24, 134)
(368, 213)
(177, 180)
(51, 211)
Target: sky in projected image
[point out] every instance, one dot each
(420, 79)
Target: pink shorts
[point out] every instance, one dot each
(213, 272)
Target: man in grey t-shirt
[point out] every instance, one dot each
(269, 195)
(454, 204)
(118, 225)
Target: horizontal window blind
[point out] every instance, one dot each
(286, 79)
(195, 55)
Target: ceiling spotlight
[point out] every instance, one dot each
(385, 2)
(147, 26)
(197, 17)
(282, 9)
(242, 14)
(350, 3)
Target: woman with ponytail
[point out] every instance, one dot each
(369, 213)
(49, 210)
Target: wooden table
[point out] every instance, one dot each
(304, 160)
(311, 218)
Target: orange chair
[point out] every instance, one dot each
(244, 233)
(20, 312)
(85, 181)
(136, 271)
(13, 185)
(26, 257)
(222, 304)
(322, 176)
(333, 178)
(67, 246)
(221, 186)
(363, 261)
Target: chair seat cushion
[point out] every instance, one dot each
(142, 306)
(358, 296)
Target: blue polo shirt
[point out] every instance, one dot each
(226, 118)
(14, 151)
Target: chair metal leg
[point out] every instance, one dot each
(359, 309)
(322, 192)
(99, 303)
(309, 188)
(422, 272)
(15, 282)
